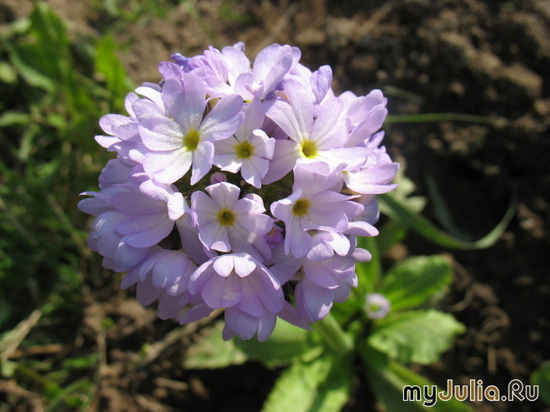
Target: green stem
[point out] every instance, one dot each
(334, 335)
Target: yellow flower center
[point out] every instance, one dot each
(226, 217)
(192, 139)
(309, 149)
(301, 207)
(244, 150)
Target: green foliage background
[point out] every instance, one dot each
(54, 90)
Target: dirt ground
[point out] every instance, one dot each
(487, 58)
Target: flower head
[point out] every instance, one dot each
(181, 208)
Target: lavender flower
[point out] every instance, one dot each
(227, 223)
(249, 150)
(246, 288)
(174, 145)
(181, 208)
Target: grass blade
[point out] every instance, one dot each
(428, 230)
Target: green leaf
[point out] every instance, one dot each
(427, 229)
(541, 377)
(415, 336)
(441, 211)
(210, 351)
(82, 362)
(412, 282)
(7, 74)
(404, 190)
(322, 385)
(13, 118)
(48, 27)
(67, 395)
(390, 234)
(441, 117)
(109, 66)
(287, 343)
(25, 61)
(389, 379)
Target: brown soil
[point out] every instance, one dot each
(488, 58)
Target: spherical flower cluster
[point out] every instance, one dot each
(240, 186)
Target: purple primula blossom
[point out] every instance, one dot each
(313, 205)
(123, 135)
(316, 142)
(270, 66)
(228, 223)
(365, 116)
(117, 254)
(164, 270)
(251, 295)
(149, 219)
(129, 222)
(319, 283)
(249, 150)
(116, 171)
(183, 139)
(198, 155)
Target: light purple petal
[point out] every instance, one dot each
(111, 122)
(284, 159)
(147, 294)
(295, 118)
(239, 323)
(264, 146)
(291, 315)
(205, 208)
(321, 81)
(266, 326)
(329, 131)
(251, 303)
(160, 133)
(221, 292)
(224, 265)
(244, 265)
(223, 120)
(146, 106)
(169, 269)
(254, 169)
(127, 256)
(253, 119)
(152, 95)
(185, 106)
(373, 180)
(202, 161)
(224, 194)
(321, 273)
(214, 236)
(168, 167)
(314, 302)
(145, 230)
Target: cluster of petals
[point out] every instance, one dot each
(240, 185)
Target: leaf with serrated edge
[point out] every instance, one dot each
(412, 281)
(415, 336)
(322, 385)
